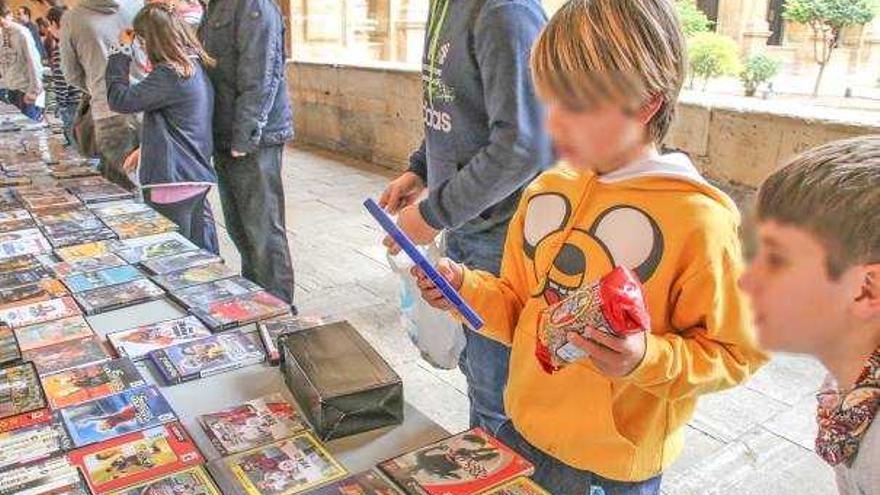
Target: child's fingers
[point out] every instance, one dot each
(609, 341)
(392, 246)
(596, 351)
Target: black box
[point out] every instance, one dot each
(342, 385)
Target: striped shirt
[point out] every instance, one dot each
(65, 94)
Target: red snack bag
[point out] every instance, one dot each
(615, 304)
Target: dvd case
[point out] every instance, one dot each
(271, 329)
(91, 382)
(252, 424)
(141, 249)
(241, 310)
(118, 296)
(196, 275)
(20, 390)
(52, 332)
(136, 343)
(86, 251)
(168, 264)
(52, 476)
(9, 351)
(205, 357)
(366, 483)
(115, 415)
(39, 312)
(140, 224)
(64, 269)
(191, 481)
(102, 278)
(204, 294)
(66, 355)
(28, 294)
(27, 445)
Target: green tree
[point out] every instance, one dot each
(693, 20)
(757, 70)
(827, 19)
(712, 55)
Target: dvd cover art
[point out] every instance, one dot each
(64, 269)
(241, 310)
(273, 328)
(141, 249)
(118, 296)
(287, 467)
(102, 278)
(71, 220)
(137, 342)
(168, 264)
(16, 278)
(97, 193)
(207, 356)
(366, 483)
(66, 355)
(20, 390)
(28, 294)
(519, 486)
(469, 462)
(82, 236)
(115, 415)
(85, 251)
(252, 424)
(15, 220)
(90, 382)
(9, 351)
(137, 457)
(29, 444)
(192, 481)
(194, 276)
(31, 245)
(39, 312)
(204, 294)
(52, 332)
(52, 476)
(140, 224)
(9, 200)
(24, 262)
(117, 208)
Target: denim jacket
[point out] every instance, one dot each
(246, 37)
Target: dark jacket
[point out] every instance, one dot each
(176, 143)
(484, 133)
(246, 37)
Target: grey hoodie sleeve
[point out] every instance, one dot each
(73, 72)
(503, 38)
(418, 163)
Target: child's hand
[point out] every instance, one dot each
(126, 37)
(451, 271)
(614, 356)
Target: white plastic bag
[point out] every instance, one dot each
(438, 336)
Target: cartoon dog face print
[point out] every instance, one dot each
(563, 261)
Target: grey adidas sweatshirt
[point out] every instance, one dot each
(484, 137)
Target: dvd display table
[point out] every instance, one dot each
(357, 453)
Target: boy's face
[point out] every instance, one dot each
(798, 307)
(598, 139)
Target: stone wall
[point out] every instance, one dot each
(374, 114)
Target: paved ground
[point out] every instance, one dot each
(756, 439)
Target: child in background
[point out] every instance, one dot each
(178, 103)
(612, 422)
(815, 283)
(66, 96)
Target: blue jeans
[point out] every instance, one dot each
(194, 217)
(484, 362)
(67, 114)
(16, 98)
(561, 479)
(253, 206)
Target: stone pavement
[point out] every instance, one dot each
(756, 439)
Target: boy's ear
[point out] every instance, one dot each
(867, 303)
(649, 109)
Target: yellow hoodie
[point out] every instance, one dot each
(679, 234)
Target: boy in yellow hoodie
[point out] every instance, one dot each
(609, 72)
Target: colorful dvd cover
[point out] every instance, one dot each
(14, 225)
(52, 332)
(204, 294)
(137, 457)
(39, 312)
(142, 249)
(519, 486)
(287, 467)
(91, 382)
(115, 415)
(86, 251)
(252, 424)
(102, 278)
(20, 390)
(192, 481)
(271, 329)
(470, 462)
(117, 208)
(17, 278)
(118, 296)
(205, 357)
(20, 235)
(79, 237)
(67, 355)
(140, 224)
(21, 263)
(241, 310)
(366, 483)
(168, 264)
(30, 444)
(99, 193)
(64, 269)
(28, 294)
(9, 351)
(31, 245)
(52, 476)
(136, 343)
(194, 276)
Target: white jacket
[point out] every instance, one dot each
(20, 65)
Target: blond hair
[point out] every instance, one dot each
(833, 192)
(625, 51)
(169, 39)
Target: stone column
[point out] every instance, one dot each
(746, 22)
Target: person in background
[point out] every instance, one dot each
(66, 96)
(252, 122)
(87, 32)
(815, 286)
(177, 101)
(24, 18)
(20, 67)
(484, 141)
